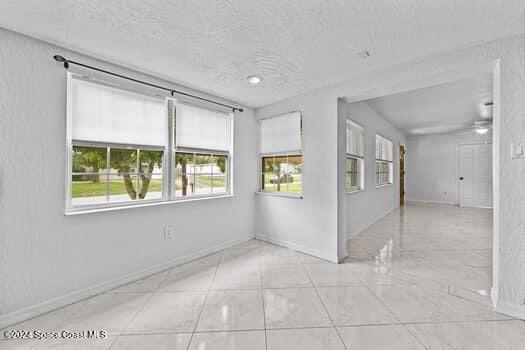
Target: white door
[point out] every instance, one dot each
(475, 175)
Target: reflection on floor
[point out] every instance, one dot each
(416, 279)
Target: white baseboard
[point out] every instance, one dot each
(513, 310)
(73, 297)
(431, 201)
(297, 247)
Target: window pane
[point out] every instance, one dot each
(150, 186)
(123, 160)
(88, 189)
(280, 165)
(88, 159)
(123, 187)
(202, 184)
(151, 162)
(294, 174)
(184, 163)
(268, 165)
(269, 182)
(219, 171)
(184, 185)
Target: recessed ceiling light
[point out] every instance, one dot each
(254, 79)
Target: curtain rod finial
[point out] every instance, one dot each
(61, 59)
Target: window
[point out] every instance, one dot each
(120, 154)
(384, 158)
(281, 154)
(202, 152)
(354, 156)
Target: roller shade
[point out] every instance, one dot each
(354, 139)
(281, 134)
(384, 149)
(106, 114)
(201, 128)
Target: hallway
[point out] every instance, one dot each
(416, 279)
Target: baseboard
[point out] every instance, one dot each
(350, 235)
(431, 201)
(514, 310)
(73, 297)
(297, 247)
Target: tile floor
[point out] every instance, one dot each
(417, 279)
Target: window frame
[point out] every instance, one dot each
(168, 160)
(261, 173)
(290, 153)
(360, 174)
(360, 161)
(390, 164)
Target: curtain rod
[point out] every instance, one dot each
(67, 62)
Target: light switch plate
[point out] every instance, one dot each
(517, 151)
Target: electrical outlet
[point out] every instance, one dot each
(169, 232)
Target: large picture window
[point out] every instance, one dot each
(124, 148)
(281, 154)
(384, 161)
(354, 157)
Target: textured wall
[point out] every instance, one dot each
(46, 255)
(310, 223)
(432, 165)
(365, 207)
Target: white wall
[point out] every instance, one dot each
(308, 224)
(317, 211)
(47, 258)
(363, 208)
(431, 165)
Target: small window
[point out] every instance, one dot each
(282, 174)
(384, 161)
(281, 156)
(354, 157)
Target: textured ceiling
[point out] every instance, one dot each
(437, 109)
(295, 45)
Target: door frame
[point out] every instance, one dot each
(458, 160)
(402, 172)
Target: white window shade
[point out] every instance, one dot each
(203, 128)
(105, 114)
(384, 149)
(281, 134)
(354, 139)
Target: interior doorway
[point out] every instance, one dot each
(475, 175)
(402, 174)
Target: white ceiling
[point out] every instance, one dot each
(437, 109)
(295, 45)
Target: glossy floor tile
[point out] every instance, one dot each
(232, 310)
(391, 337)
(417, 279)
(304, 339)
(252, 340)
(294, 308)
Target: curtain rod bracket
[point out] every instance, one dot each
(66, 62)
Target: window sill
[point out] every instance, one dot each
(385, 185)
(356, 191)
(286, 195)
(90, 210)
